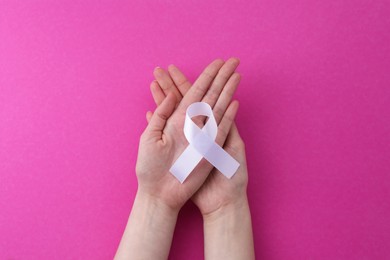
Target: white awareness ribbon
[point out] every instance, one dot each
(202, 144)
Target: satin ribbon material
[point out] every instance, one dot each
(202, 144)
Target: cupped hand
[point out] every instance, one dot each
(217, 191)
(163, 140)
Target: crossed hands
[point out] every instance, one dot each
(160, 195)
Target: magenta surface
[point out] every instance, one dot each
(315, 115)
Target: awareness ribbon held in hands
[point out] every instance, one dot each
(202, 144)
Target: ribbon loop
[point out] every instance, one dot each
(202, 145)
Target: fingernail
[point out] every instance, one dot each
(157, 70)
(172, 67)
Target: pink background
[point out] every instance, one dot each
(315, 93)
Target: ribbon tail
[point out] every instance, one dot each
(186, 162)
(221, 160)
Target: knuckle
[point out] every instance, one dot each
(218, 112)
(236, 76)
(182, 83)
(162, 116)
(213, 93)
(199, 90)
(208, 74)
(224, 76)
(229, 117)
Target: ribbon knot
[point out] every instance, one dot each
(202, 145)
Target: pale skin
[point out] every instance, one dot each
(222, 202)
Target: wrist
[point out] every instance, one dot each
(235, 207)
(150, 226)
(155, 205)
(228, 232)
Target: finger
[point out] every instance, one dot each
(234, 139)
(226, 96)
(233, 135)
(181, 82)
(149, 115)
(199, 88)
(226, 122)
(161, 115)
(220, 80)
(157, 93)
(166, 83)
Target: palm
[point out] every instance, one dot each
(163, 184)
(217, 190)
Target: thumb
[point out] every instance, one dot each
(160, 116)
